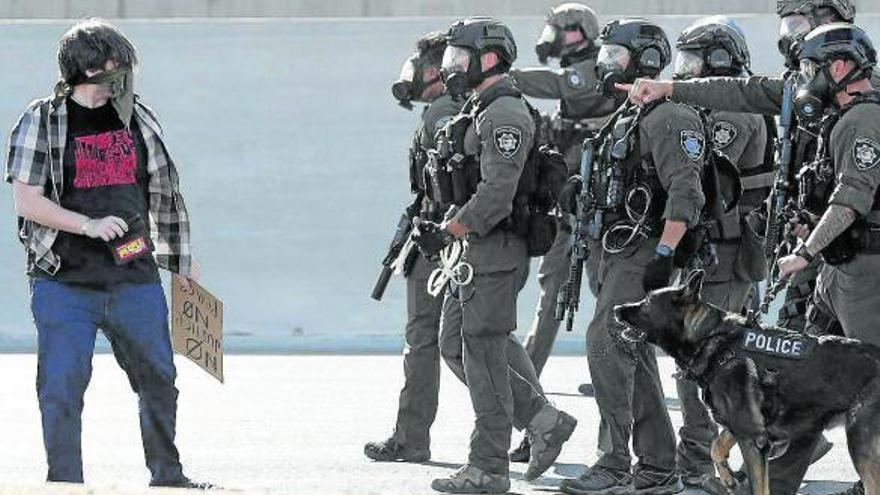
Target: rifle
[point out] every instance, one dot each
(777, 219)
(568, 299)
(399, 250)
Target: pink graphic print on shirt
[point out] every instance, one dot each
(105, 159)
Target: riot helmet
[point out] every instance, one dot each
(468, 40)
(816, 53)
(631, 48)
(413, 80)
(712, 46)
(564, 19)
(799, 17)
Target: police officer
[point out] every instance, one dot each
(836, 62)
(752, 95)
(498, 135)
(419, 81)
(716, 46)
(765, 95)
(569, 34)
(647, 185)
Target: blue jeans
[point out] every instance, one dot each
(135, 320)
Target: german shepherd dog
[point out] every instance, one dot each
(765, 386)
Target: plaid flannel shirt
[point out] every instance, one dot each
(35, 157)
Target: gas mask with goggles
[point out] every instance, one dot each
(614, 66)
(549, 43)
(462, 70)
(688, 64)
(411, 85)
(792, 29)
(816, 89)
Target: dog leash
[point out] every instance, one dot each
(778, 286)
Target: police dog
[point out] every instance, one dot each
(766, 386)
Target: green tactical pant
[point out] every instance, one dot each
(628, 389)
(848, 293)
(723, 289)
(552, 275)
(417, 406)
(477, 342)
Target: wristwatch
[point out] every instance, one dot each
(664, 250)
(803, 252)
(84, 227)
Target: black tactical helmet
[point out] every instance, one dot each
(821, 47)
(839, 40)
(566, 17)
(721, 44)
(430, 47)
(645, 40)
(815, 13)
(484, 34)
(846, 9)
(575, 15)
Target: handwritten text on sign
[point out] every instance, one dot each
(197, 326)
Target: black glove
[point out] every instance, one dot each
(569, 193)
(688, 247)
(431, 238)
(657, 272)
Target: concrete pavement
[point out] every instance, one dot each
(297, 425)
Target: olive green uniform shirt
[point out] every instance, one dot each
(855, 149)
(574, 86)
(755, 94)
(663, 136)
(501, 137)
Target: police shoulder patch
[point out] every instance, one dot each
(508, 140)
(441, 122)
(575, 80)
(693, 144)
(723, 134)
(866, 153)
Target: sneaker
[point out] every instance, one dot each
(391, 451)
(587, 389)
(471, 479)
(184, 483)
(547, 432)
(521, 453)
(598, 480)
(822, 448)
(650, 481)
(856, 488)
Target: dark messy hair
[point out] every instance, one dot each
(431, 47)
(89, 45)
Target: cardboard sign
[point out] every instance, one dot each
(197, 326)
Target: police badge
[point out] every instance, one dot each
(575, 80)
(692, 144)
(723, 133)
(866, 153)
(507, 140)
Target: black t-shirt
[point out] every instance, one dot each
(105, 173)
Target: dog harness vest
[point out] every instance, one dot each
(777, 343)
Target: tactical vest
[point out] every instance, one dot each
(817, 183)
(452, 176)
(623, 172)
